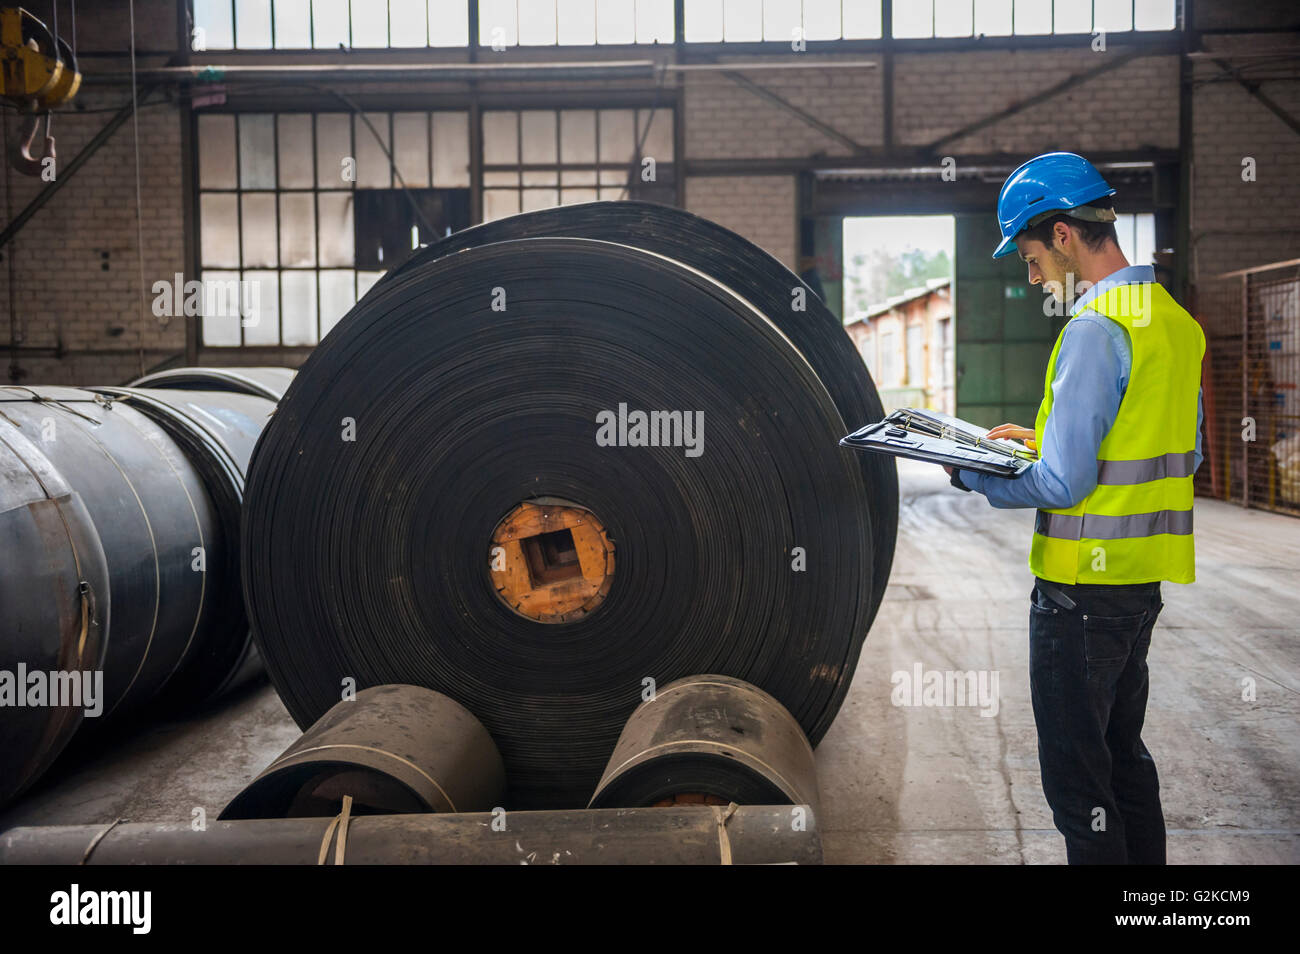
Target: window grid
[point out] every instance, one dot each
(361, 280)
(1142, 16)
(602, 187)
(503, 23)
(706, 21)
(752, 21)
(222, 19)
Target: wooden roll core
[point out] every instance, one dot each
(551, 561)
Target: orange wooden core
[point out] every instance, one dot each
(551, 562)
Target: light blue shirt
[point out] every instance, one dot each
(1092, 371)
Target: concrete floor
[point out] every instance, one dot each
(919, 784)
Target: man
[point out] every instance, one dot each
(1118, 438)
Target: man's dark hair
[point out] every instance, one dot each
(1094, 234)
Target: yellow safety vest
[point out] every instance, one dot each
(1136, 525)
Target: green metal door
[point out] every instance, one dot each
(1003, 336)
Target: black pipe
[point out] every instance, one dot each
(695, 835)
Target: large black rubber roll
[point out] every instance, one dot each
(427, 419)
(217, 431)
(266, 382)
(709, 739)
(151, 510)
(759, 277)
(688, 835)
(393, 750)
(54, 603)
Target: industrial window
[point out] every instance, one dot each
(505, 23)
(286, 218)
(1137, 237)
(868, 350)
(956, 18)
(890, 370)
(327, 24)
(941, 355)
(915, 356)
(731, 21)
(536, 159)
(382, 24)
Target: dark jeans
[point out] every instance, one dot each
(1088, 681)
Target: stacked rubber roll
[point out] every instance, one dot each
(467, 384)
(761, 279)
(216, 432)
(121, 513)
(266, 382)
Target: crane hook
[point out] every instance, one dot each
(20, 156)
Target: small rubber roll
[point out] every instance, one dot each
(713, 740)
(394, 749)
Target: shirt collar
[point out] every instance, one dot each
(1130, 275)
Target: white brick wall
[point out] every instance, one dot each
(1131, 106)
(724, 120)
(1238, 224)
(66, 292)
(761, 208)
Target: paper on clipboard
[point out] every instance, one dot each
(921, 434)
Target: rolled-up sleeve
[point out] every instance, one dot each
(1086, 394)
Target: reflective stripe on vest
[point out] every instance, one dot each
(1151, 468)
(1096, 526)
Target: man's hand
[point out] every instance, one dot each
(1015, 432)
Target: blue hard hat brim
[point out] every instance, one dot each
(1005, 247)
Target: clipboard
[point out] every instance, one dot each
(920, 434)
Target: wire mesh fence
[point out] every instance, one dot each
(1251, 320)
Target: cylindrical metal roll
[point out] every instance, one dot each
(54, 605)
(790, 304)
(711, 739)
(152, 513)
(688, 835)
(269, 383)
(494, 404)
(393, 749)
(130, 497)
(217, 431)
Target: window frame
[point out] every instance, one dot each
(703, 51)
(643, 102)
(361, 279)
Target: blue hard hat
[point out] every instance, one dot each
(1050, 183)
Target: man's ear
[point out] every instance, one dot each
(1061, 236)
